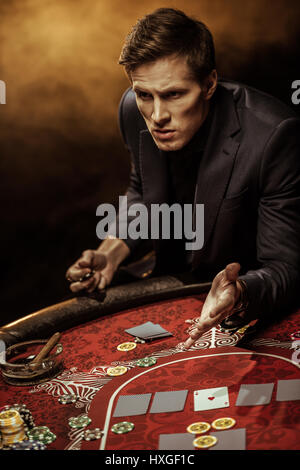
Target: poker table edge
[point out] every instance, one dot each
(84, 308)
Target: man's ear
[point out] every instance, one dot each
(210, 84)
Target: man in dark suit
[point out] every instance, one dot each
(195, 139)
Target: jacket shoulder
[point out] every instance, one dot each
(260, 105)
(130, 119)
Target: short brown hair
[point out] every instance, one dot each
(165, 32)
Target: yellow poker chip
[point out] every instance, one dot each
(198, 428)
(243, 329)
(223, 423)
(203, 442)
(9, 415)
(10, 418)
(115, 371)
(126, 346)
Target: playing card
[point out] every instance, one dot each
(164, 402)
(211, 398)
(140, 329)
(148, 330)
(157, 332)
(288, 390)
(254, 394)
(231, 439)
(180, 441)
(132, 405)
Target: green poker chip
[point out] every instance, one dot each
(79, 421)
(49, 438)
(122, 428)
(41, 434)
(38, 431)
(146, 362)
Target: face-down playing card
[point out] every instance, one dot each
(288, 390)
(254, 394)
(164, 402)
(132, 405)
(148, 330)
(179, 441)
(231, 439)
(211, 398)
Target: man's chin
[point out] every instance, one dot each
(168, 146)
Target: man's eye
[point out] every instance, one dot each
(173, 94)
(143, 95)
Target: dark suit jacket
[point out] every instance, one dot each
(249, 183)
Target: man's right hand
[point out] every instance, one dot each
(93, 262)
(101, 263)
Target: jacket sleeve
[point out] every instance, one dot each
(130, 122)
(274, 287)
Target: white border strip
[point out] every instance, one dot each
(111, 401)
(213, 338)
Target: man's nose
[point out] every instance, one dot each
(160, 114)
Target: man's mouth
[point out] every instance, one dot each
(163, 134)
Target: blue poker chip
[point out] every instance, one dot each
(28, 445)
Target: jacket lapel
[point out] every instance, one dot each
(217, 163)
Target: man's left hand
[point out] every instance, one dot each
(220, 301)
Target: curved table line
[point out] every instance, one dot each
(112, 398)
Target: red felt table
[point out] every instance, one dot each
(217, 359)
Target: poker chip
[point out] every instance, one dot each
(9, 418)
(203, 442)
(67, 399)
(49, 438)
(146, 362)
(295, 336)
(79, 421)
(243, 329)
(41, 434)
(198, 428)
(11, 427)
(139, 340)
(122, 428)
(223, 423)
(115, 371)
(87, 276)
(92, 434)
(24, 413)
(28, 445)
(126, 346)
(17, 437)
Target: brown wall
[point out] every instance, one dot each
(61, 153)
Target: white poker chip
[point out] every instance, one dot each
(67, 398)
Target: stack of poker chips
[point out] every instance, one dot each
(11, 427)
(24, 413)
(41, 434)
(28, 445)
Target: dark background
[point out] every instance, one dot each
(61, 152)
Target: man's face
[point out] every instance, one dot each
(172, 103)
